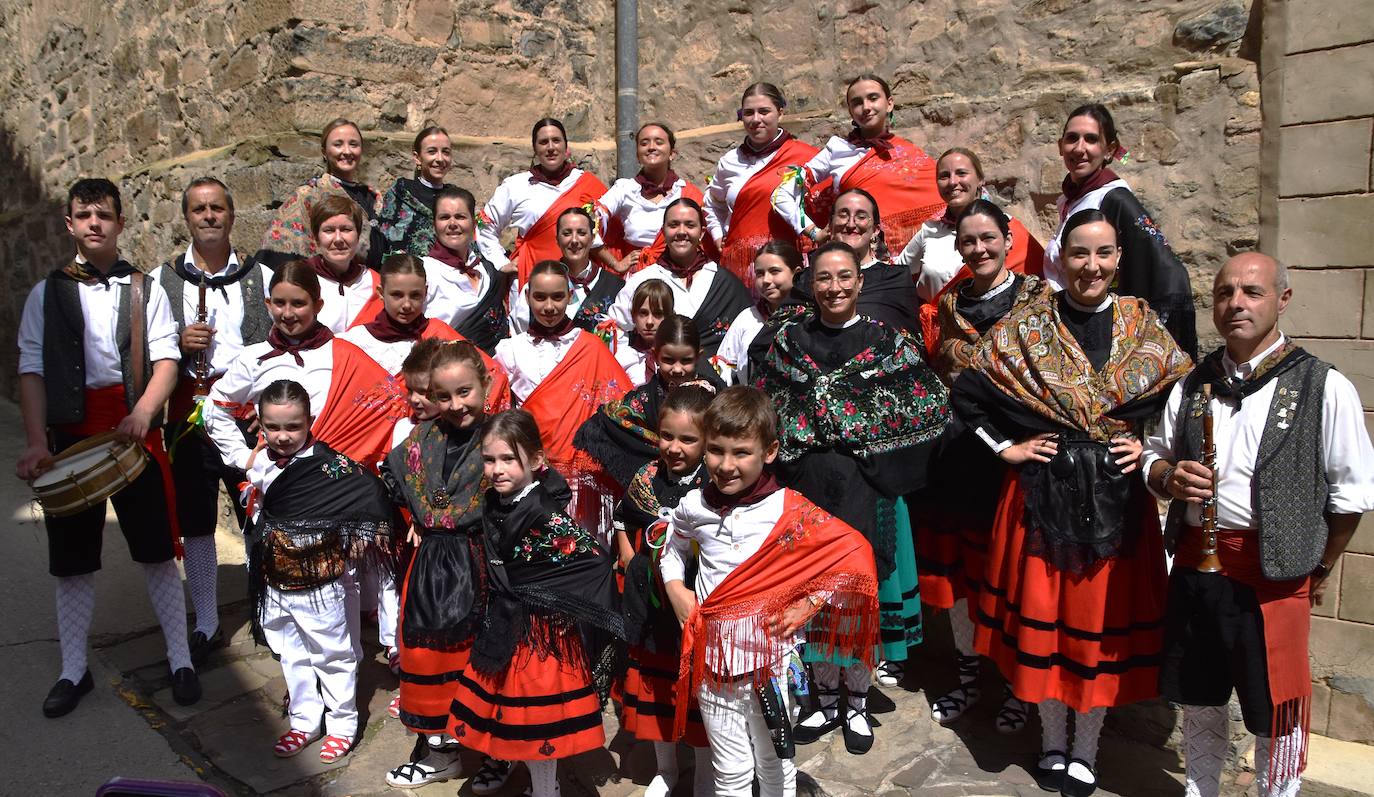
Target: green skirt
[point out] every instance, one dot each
(899, 595)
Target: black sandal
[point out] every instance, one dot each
(857, 743)
(1073, 787)
(1013, 714)
(950, 707)
(806, 734)
(1048, 778)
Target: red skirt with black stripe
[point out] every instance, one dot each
(1088, 640)
(647, 698)
(539, 708)
(950, 550)
(428, 675)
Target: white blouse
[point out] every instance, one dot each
(529, 362)
(642, 218)
(830, 163)
(686, 299)
(518, 203)
(244, 382)
(341, 309)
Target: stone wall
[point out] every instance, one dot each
(155, 93)
(1317, 203)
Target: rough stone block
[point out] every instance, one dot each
(1326, 303)
(1340, 648)
(1352, 710)
(1324, 158)
(1354, 358)
(1357, 588)
(1329, 231)
(432, 20)
(1331, 597)
(1329, 23)
(258, 16)
(376, 58)
(1329, 84)
(1321, 707)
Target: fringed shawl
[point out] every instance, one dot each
(958, 339)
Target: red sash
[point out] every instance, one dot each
(753, 222)
(1027, 256)
(105, 408)
(902, 182)
(614, 236)
(373, 308)
(361, 408)
(540, 241)
(809, 551)
(587, 377)
(498, 392)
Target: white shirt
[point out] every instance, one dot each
(733, 171)
(1237, 430)
(723, 544)
(933, 258)
(245, 380)
(388, 355)
(223, 308)
(529, 362)
(732, 359)
(641, 218)
(1054, 270)
(520, 304)
(265, 471)
(100, 311)
(520, 204)
(830, 163)
(449, 295)
(634, 361)
(340, 311)
(686, 300)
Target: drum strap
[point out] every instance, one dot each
(138, 333)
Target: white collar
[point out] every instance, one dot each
(515, 499)
(1086, 308)
(846, 325)
(1243, 370)
(229, 267)
(1001, 287)
(428, 184)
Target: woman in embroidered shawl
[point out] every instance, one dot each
(953, 514)
(1072, 602)
(541, 661)
(1149, 268)
(289, 235)
(435, 474)
(895, 171)
(406, 219)
(858, 413)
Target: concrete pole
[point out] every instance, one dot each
(626, 85)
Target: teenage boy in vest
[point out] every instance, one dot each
(76, 379)
(1294, 471)
(770, 561)
(236, 316)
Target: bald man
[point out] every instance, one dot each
(1294, 471)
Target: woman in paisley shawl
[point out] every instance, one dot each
(859, 411)
(289, 235)
(435, 474)
(1071, 604)
(651, 629)
(953, 514)
(406, 219)
(539, 662)
(622, 436)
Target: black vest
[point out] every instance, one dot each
(256, 321)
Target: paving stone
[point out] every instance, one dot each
(218, 685)
(1320, 158)
(238, 738)
(1329, 23)
(1330, 84)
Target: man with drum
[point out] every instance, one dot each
(215, 324)
(1264, 453)
(98, 355)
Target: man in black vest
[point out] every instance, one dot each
(85, 369)
(235, 316)
(1293, 472)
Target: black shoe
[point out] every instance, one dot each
(1073, 787)
(1046, 778)
(64, 695)
(185, 686)
(857, 743)
(201, 645)
(806, 734)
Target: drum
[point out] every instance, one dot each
(87, 473)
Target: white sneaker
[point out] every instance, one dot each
(432, 768)
(658, 787)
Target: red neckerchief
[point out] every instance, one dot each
(1073, 193)
(586, 281)
(882, 143)
(282, 462)
(687, 273)
(83, 271)
(651, 189)
(722, 504)
(764, 308)
(319, 335)
(639, 344)
(326, 271)
(450, 258)
(538, 175)
(540, 332)
(385, 329)
(767, 149)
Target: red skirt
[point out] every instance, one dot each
(538, 709)
(1088, 640)
(428, 677)
(950, 551)
(647, 699)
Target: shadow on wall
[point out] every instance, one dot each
(33, 240)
